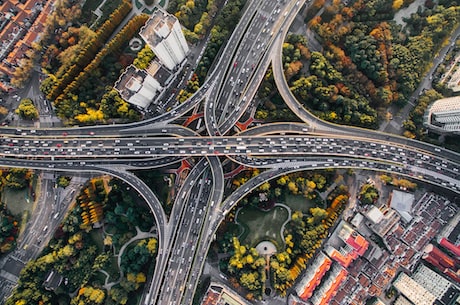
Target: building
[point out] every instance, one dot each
(313, 276)
(442, 262)
(450, 246)
(219, 294)
(452, 75)
(402, 203)
(163, 33)
(378, 302)
(440, 287)
(52, 280)
(401, 300)
(442, 258)
(354, 245)
(413, 291)
(21, 24)
(137, 87)
(382, 220)
(329, 287)
(443, 116)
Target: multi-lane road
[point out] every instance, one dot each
(199, 207)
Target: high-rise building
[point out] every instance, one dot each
(137, 87)
(443, 116)
(163, 33)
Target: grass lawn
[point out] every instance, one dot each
(96, 236)
(298, 203)
(99, 279)
(87, 10)
(259, 225)
(156, 182)
(109, 7)
(17, 201)
(113, 270)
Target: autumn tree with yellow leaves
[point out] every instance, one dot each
(248, 267)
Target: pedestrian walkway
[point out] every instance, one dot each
(139, 235)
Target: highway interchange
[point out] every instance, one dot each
(278, 148)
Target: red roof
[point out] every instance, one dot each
(331, 292)
(450, 246)
(345, 261)
(358, 243)
(319, 273)
(16, 21)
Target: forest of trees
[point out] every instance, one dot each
(307, 184)
(79, 250)
(8, 229)
(195, 16)
(81, 67)
(368, 61)
(16, 179)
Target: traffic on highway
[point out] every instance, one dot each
(279, 148)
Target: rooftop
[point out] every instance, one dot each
(444, 115)
(21, 23)
(158, 27)
(313, 276)
(219, 294)
(402, 203)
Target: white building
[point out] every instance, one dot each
(163, 33)
(402, 203)
(435, 283)
(413, 291)
(443, 116)
(137, 87)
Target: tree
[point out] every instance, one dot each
(293, 187)
(368, 194)
(318, 215)
(264, 187)
(63, 181)
(120, 296)
(397, 4)
(144, 57)
(282, 180)
(27, 110)
(89, 295)
(250, 280)
(152, 246)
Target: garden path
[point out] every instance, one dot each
(139, 235)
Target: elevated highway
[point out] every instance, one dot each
(278, 148)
